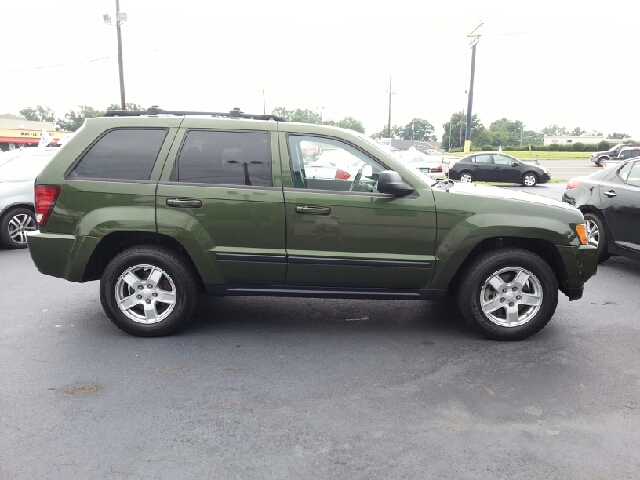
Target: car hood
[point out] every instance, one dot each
(503, 193)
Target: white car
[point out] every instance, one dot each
(435, 166)
(17, 176)
(334, 164)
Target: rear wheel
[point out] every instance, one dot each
(466, 177)
(596, 235)
(508, 294)
(148, 291)
(15, 225)
(529, 179)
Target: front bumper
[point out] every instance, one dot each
(62, 256)
(580, 264)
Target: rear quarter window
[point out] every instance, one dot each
(122, 154)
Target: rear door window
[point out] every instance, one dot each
(122, 154)
(225, 158)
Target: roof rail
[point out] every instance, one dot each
(154, 110)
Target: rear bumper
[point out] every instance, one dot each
(580, 263)
(62, 256)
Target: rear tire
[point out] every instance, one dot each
(596, 235)
(148, 291)
(508, 294)
(14, 226)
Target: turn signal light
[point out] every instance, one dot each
(582, 234)
(46, 196)
(342, 175)
(573, 184)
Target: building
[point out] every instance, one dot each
(17, 132)
(586, 139)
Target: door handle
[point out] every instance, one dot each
(184, 202)
(306, 210)
(610, 194)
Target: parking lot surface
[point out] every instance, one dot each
(299, 388)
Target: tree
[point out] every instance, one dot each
(73, 120)
(457, 125)
(616, 135)
(130, 106)
(576, 132)
(297, 115)
(506, 132)
(38, 114)
(418, 129)
(554, 130)
(350, 123)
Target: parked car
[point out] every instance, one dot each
(497, 167)
(610, 202)
(624, 155)
(600, 157)
(160, 206)
(16, 194)
(430, 165)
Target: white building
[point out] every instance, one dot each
(586, 139)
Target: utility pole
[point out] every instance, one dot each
(321, 110)
(120, 70)
(391, 92)
(521, 128)
(474, 41)
(264, 103)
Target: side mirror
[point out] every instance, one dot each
(515, 164)
(391, 182)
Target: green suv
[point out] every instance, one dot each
(160, 206)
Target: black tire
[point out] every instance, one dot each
(14, 225)
(175, 280)
(475, 284)
(464, 174)
(529, 179)
(598, 237)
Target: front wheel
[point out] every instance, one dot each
(148, 291)
(529, 179)
(508, 294)
(466, 177)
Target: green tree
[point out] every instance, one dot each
(38, 114)
(457, 125)
(418, 129)
(617, 135)
(396, 132)
(73, 120)
(576, 132)
(350, 123)
(506, 132)
(297, 115)
(554, 130)
(130, 106)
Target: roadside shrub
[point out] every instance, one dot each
(487, 148)
(578, 147)
(603, 145)
(554, 147)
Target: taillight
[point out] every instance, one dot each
(573, 184)
(342, 175)
(46, 196)
(439, 169)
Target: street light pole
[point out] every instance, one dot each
(521, 128)
(391, 92)
(474, 42)
(120, 69)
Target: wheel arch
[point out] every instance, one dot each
(116, 242)
(607, 233)
(13, 206)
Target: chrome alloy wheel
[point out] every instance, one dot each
(145, 294)
(466, 178)
(529, 180)
(19, 225)
(511, 297)
(593, 232)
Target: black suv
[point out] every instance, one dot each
(497, 167)
(599, 157)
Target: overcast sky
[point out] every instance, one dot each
(543, 62)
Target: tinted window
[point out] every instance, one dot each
(503, 160)
(126, 154)
(633, 177)
(239, 158)
(483, 159)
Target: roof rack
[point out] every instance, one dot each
(154, 110)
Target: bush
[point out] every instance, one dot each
(554, 147)
(603, 146)
(487, 148)
(578, 147)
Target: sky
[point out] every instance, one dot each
(570, 63)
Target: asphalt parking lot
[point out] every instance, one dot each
(297, 388)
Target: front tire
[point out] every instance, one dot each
(148, 291)
(596, 235)
(466, 177)
(508, 294)
(14, 226)
(529, 179)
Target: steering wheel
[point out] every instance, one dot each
(356, 180)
